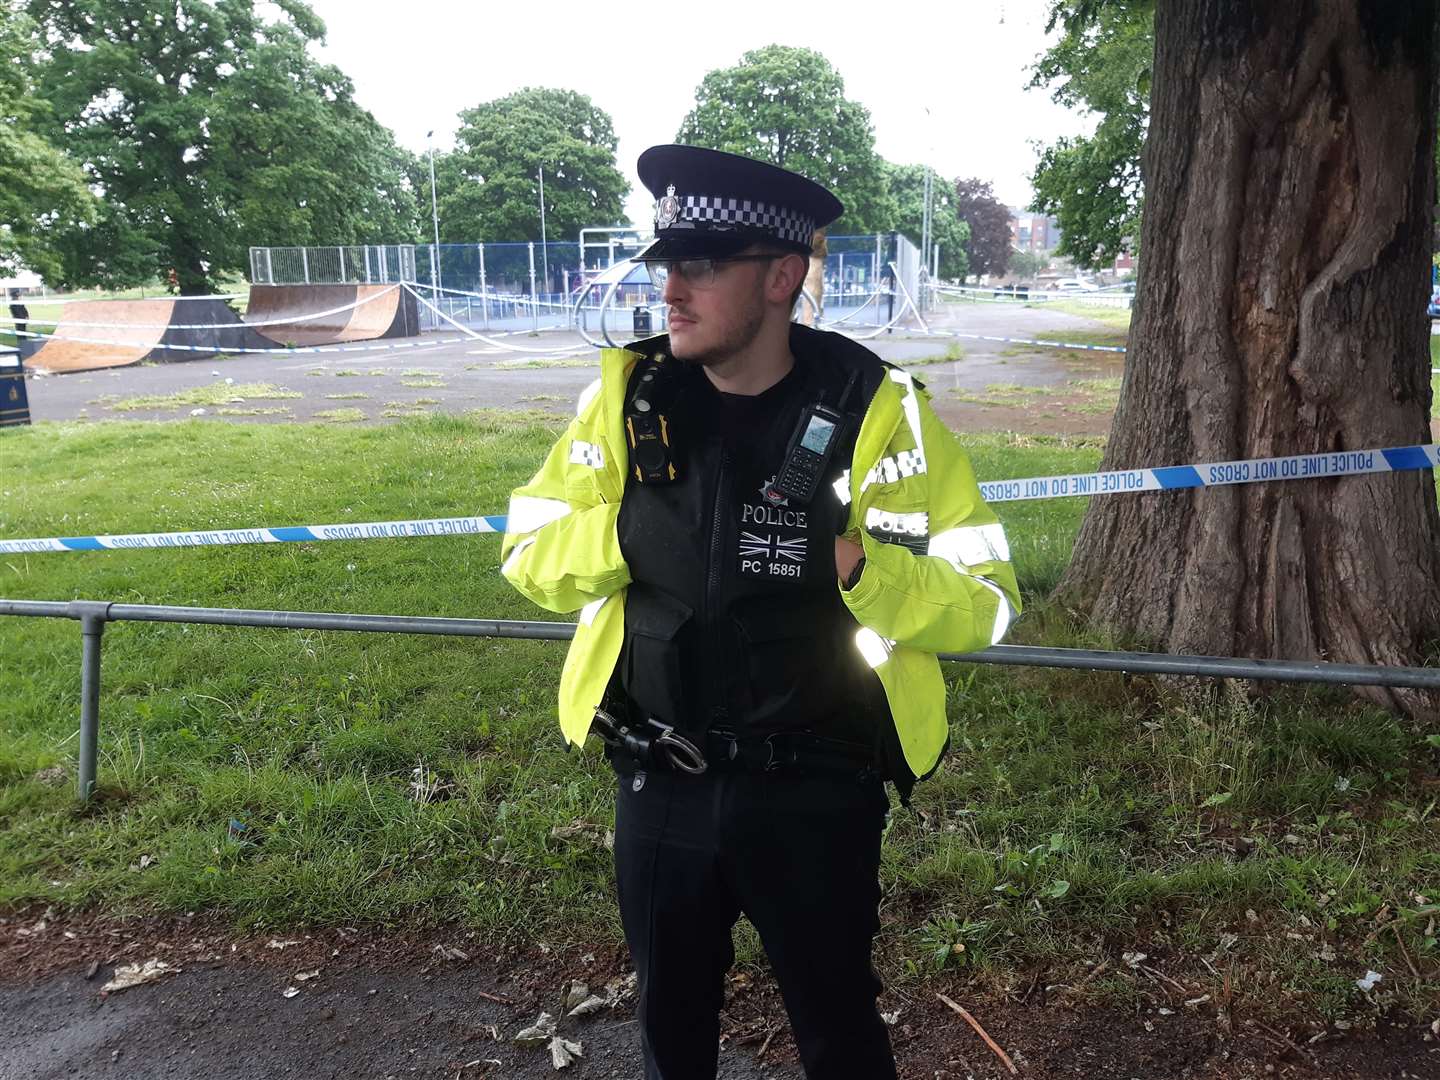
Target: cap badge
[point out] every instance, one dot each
(669, 209)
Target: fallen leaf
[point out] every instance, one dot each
(128, 975)
(1368, 982)
(275, 943)
(1134, 959)
(306, 976)
(563, 1052)
(537, 1033)
(450, 952)
(289, 991)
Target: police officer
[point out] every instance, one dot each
(768, 535)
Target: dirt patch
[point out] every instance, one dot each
(439, 1003)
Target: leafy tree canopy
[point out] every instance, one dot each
(906, 187)
(41, 189)
(1092, 184)
(206, 127)
(788, 106)
(989, 247)
(489, 187)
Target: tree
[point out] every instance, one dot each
(906, 187)
(490, 186)
(1026, 264)
(1092, 184)
(40, 188)
(788, 106)
(206, 127)
(989, 222)
(1290, 194)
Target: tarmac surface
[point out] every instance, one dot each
(445, 372)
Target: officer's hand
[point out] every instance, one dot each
(847, 554)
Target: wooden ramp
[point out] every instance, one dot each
(292, 314)
(135, 330)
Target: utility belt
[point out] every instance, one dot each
(652, 745)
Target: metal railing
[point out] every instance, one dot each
(94, 614)
(333, 264)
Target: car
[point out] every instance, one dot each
(1434, 307)
(1074, 285)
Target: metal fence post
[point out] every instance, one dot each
(269, 269)
(485, 303)
(305, 264)
(340, 248)
(534, 306)
(92, 628)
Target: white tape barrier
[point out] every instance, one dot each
(308, 316)
(48, 301)
(1119, 482)
(474, 335)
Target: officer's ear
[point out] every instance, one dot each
(787, 277)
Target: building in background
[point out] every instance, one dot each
(1035, 233)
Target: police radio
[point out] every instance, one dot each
(816, 435)
(647, 427)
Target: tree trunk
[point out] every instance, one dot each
(1284, 273)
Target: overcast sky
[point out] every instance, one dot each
(417, 64)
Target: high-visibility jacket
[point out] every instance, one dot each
(909, 489)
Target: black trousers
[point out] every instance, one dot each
(800, 857)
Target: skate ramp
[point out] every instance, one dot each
(136, 330)
(306, 315)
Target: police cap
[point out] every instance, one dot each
(711, 204)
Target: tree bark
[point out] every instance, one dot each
(1285, 262)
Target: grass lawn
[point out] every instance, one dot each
(290, 778)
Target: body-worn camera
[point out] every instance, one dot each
(647, 425)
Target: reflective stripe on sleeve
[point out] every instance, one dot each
(842, 488)
(1003, 615)
(590, 610)
(874, 648)
(528, 513)
(515, 555)
(971, 545)
(586, 396)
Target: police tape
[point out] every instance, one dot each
(1029, 341)
(1215, 474)
(368, 530)
(1117, 482)
(245, 324)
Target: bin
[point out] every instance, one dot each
(641, 316)
(14, 404)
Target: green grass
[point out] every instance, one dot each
(1078, 815)
(210, 394)
(341, 416)
(1116, 317)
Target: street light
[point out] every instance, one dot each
(544, 248)
(434, 216)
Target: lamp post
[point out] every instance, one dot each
(544, 247)
(434, 216)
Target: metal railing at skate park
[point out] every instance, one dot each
(94, 614)
(333, 264)
(482, 284)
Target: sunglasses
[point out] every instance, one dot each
(697, 273)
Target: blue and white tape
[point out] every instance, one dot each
(1214, 474)
(1029, 341)
(368, 530)
(1117, 482)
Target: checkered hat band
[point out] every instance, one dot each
(784, 224)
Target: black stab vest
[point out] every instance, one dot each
(733, 618)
